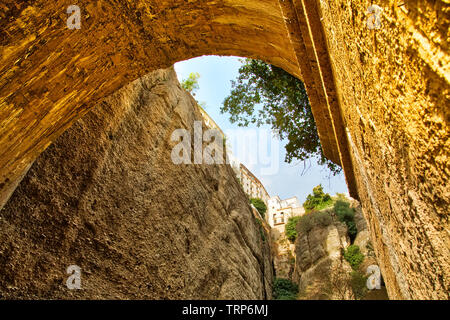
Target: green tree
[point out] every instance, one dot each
(317, 200)
(259, 205)
(284, 289)
(284, 106)
(354, 256)
(346, 215)
(191, 83)
(290, 229)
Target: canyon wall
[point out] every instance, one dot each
(380, 97)
(107, 197)
(283, 254)
(393, 88)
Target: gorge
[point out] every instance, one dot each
(380, 98)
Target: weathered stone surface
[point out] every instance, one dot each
(320, 269)
(362, 239)
(107, 197)
(393, 89)
(380, 97)
(283, 254)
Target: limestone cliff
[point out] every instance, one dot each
(283, 254)
(107, 197)
(319, 262)
(321, 270)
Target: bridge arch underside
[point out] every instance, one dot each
(378, 96)
(51, 75)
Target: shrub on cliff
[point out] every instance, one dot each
(318, 200)
(290, 229)
(284, 289)
(346, 215)
(259, 205)
(354, 256)
(313, 219)
(191, 83)
(358, 284)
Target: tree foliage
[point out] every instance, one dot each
(346, 215)
(265, 94)
(354, 256)
(259, 205)
(317, 200)
(290, 229)
(191, 83)
(284, 289)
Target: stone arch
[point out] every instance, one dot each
(51, 75)
(379, 97)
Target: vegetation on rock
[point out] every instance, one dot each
(312, 219)
(284, 289)
(354, 256)
(318, 200)
(291, 228)
(259, 205)
(191, 83)
(346, 215)
(358, 284)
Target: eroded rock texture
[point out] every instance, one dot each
(107, 197)
(393, 88)
(380, 97)
(320, 270)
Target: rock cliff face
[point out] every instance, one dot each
(393, 86)
(320, 267)
(107, 197)
(283, 254)
(319, 262)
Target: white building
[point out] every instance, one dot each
(279, 211)
(251, 184)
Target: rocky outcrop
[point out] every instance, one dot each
(320, 266)
(321, 270)
(107, 197)
(283, 254)
(362, 239)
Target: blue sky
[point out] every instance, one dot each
(216, 74)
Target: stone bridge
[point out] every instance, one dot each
(380, 97)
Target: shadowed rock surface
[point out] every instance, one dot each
(107, 197)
